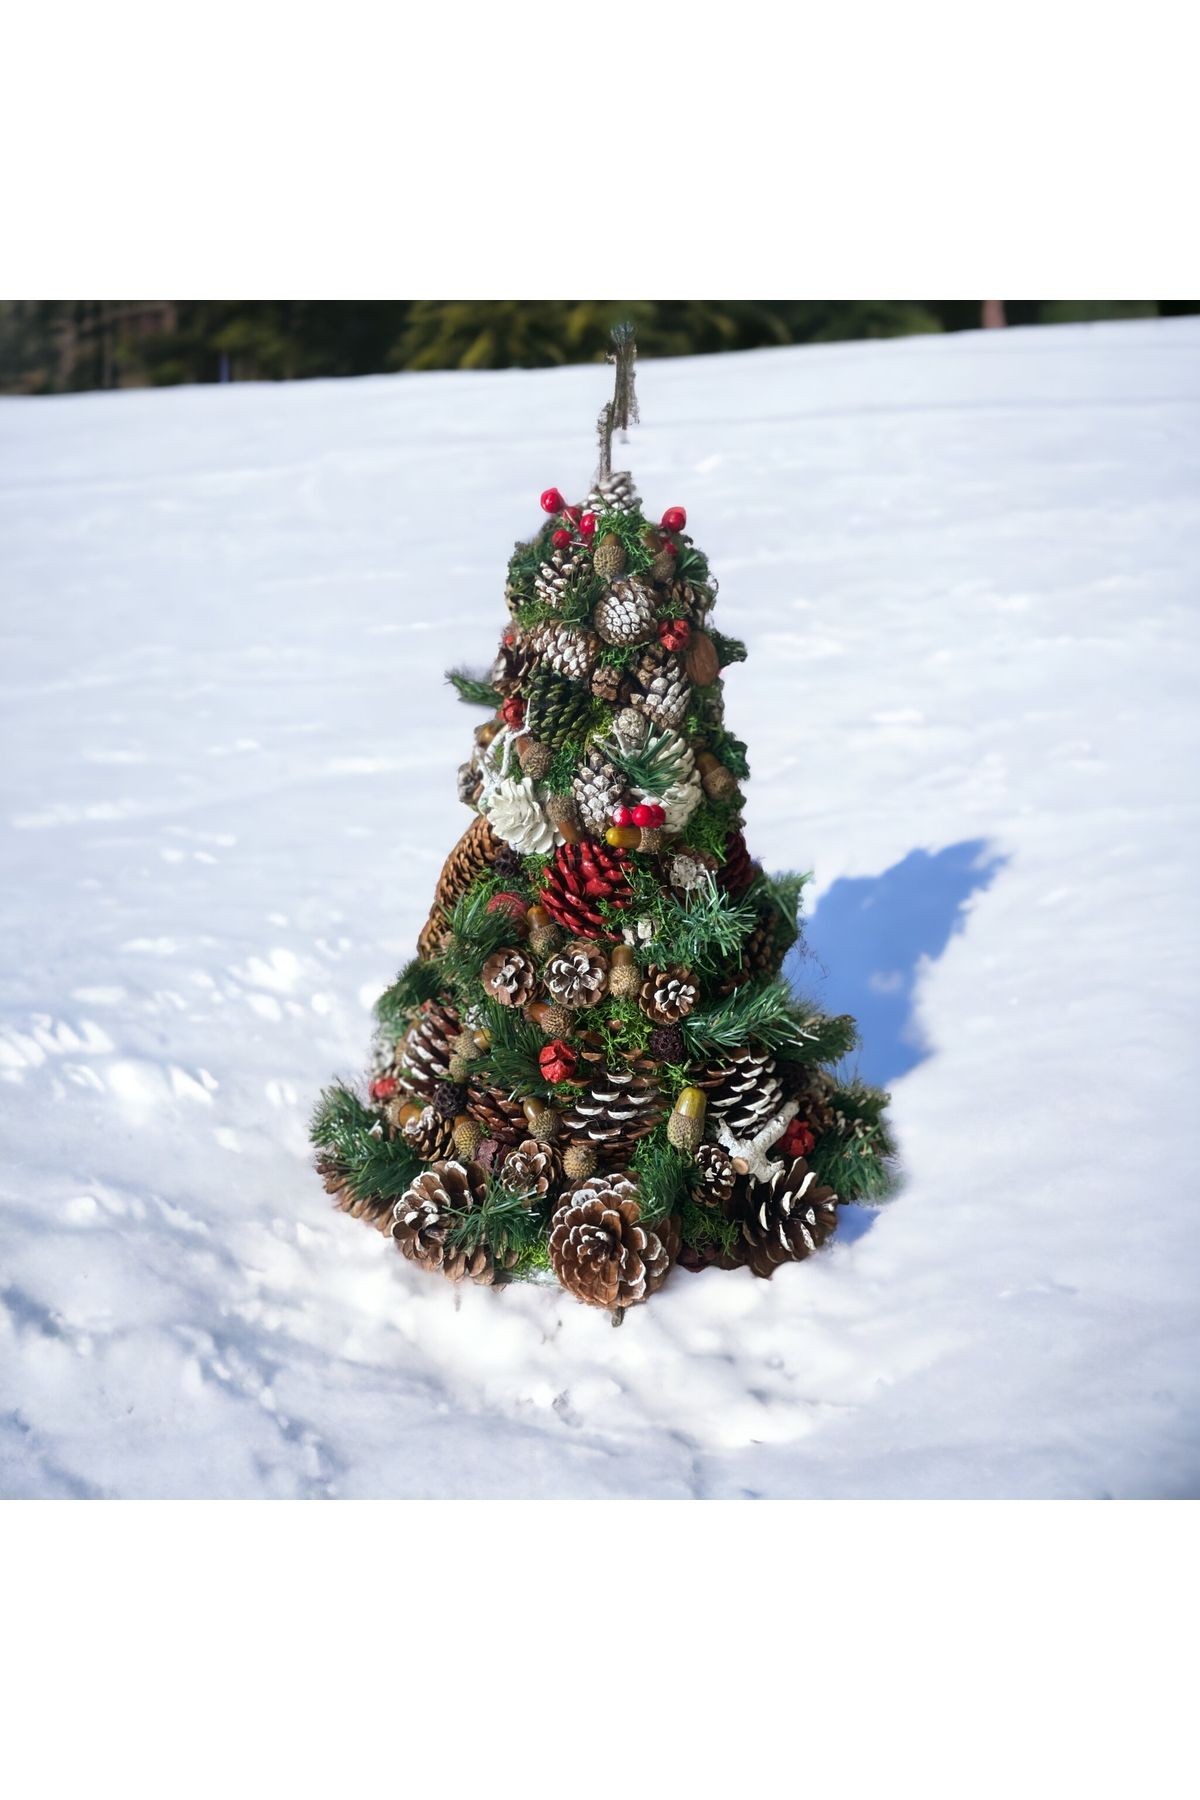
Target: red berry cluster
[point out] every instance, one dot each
(557, 1061)
(649, 815)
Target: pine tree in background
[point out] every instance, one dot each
(592, 1070)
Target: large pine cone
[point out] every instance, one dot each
(499, 1112)
(625, 615)
(744, 1089)
(576, 975)
(567, 649)
(787, 1218)
(426, 1051)
(509, 976)
(424, 1216)
(554, 706)
(578, 876)
(738, 869)
(474, 852)
(660, 688)
(620, 1105)
(601, 1252)
(597, 788)
(669, 995)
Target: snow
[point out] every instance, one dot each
(966, 569)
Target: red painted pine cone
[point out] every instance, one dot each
(579, 876)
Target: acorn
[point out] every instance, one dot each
(468, 1135)
(579, 1161)
(685, 1127)
(458, 1068)
(542, 1120)
(548, 1016)
(701, 661)
(534, 758)
(485, 733)
(623, 837)
(716, 780)
(563, 814)
(544, 934)
(624, 976)
(608, 559)
(650, 840)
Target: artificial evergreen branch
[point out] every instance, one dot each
(417, 982)
(762, 1012)
(662, 1175)
(729, 649)
(347, 1133)
(473, 689)
(706, 930)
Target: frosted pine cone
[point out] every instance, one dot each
(427, 1048)
(424, 1218)
(600, 1250)
(516, 814)
(577, 976)
(429, 1134)
(669, 774)
(744, 1090)
(556, 578)
(509, 977)
(668, 995)
(661, 689)
(625, 615)
(615, 493)
(530, 1169)
(717, 1175)
(619, 1106)
(568, 649)
(597, 789)
(787, 1218)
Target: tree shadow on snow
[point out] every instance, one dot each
(869, 939)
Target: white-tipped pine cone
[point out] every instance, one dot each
(616, 493)
(577, 975)
(661, 689)
(569, 649)
(625, 615)
(515, 813)
(675, 783)
(424, 1215)
(597, 788)
(600, 1250)
(556, 578)
(787, 1218)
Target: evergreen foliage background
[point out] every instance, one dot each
(56, 346)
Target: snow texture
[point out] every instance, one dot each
(967, 570)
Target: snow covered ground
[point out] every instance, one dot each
(967, 572)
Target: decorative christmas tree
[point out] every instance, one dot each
(592, 1066)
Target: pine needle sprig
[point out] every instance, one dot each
(346, 1131)
(417, 982)
(764, 1012)
(704, 1228)
(504, 1221)
(729, 649)
(473, 689)
(706, 930)
(662, 1175)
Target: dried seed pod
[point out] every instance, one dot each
(608, 559)
(534, 757)
(579, 1161)
(685, 1127)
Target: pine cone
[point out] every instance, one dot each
(372, 1208)
(619, 1106)
(508, 863)
(660, 688)
(738, 869)
(686, 602)
(556, 578)
(609, 683)
(625, 615)
(757, 956)
(425, 1214)
(431, 1133)
(787, 1218)
(601, 1252)
(474, 852)
(566, 649)
(717, 1175)
(744, 1089)
(470, 781)
(427, 1048)
(666, 1045)
(554, 706)
(513, 663)
(576, 975)
(812, 1089)
(597, 789)
(499, 1112)
(578, 876)
(531, 1169)
(668, 995)
(510, 977)
(614, 493)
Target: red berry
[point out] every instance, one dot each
(658, 816)
(552, 501)
(513, 711)
(383, 1088)
(587, 525)
(509, 638)
(798, 1139)
(573, 512)
(512, 906)
(674, 519)
(671, 547)
(560, 539)
(622, 815)
(643, 815)
(557, 1061)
